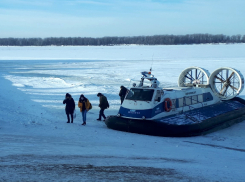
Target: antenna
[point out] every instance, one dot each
(150, 71)
(151, 63)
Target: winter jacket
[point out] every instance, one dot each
(87, 104)
(103, 102)
(123, 92)
(70, 105)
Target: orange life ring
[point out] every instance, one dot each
(167, 104)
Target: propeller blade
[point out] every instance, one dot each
(228, 79)
(224, 87)
(199, 75)
(220, 79)
(188, 77)
(225, 90)
(233, 87)
(191, 77)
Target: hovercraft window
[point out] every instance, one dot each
(188, 101)
(158, 96)
(194, 99)
(200, 98)
(173, 103)
(140, 94)
(181, 102)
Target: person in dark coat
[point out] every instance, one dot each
(83, 104)
(122, 93)
(103, 105)
(70, 107)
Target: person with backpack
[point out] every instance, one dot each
(103, 105)
(70, 107)
(122, 93)
(84, 106)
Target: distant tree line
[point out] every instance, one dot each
(140, 40)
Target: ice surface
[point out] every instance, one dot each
(35, 136)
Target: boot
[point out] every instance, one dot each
(84, 123)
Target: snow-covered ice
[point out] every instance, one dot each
(37, 144)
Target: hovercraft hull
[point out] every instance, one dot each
(195, 122)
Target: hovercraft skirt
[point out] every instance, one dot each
(161, 128)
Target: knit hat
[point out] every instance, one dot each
(99, 94)
(68, 95)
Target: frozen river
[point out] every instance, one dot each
(37, 144)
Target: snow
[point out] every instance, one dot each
(37, 144)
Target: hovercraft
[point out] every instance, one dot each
(202, 103)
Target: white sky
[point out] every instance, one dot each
(99, 18)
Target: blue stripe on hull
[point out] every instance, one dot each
(147, 113)
(198, 115)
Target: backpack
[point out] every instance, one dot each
(107, 104)
(90, 106)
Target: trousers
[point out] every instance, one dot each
(102, 114)
(68, 118)
(84, 114)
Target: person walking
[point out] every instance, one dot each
(70, 107)
(84, 105)
(103, 105)
(122, 93)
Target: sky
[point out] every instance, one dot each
(100, 18)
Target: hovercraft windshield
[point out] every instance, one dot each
(140, 94)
